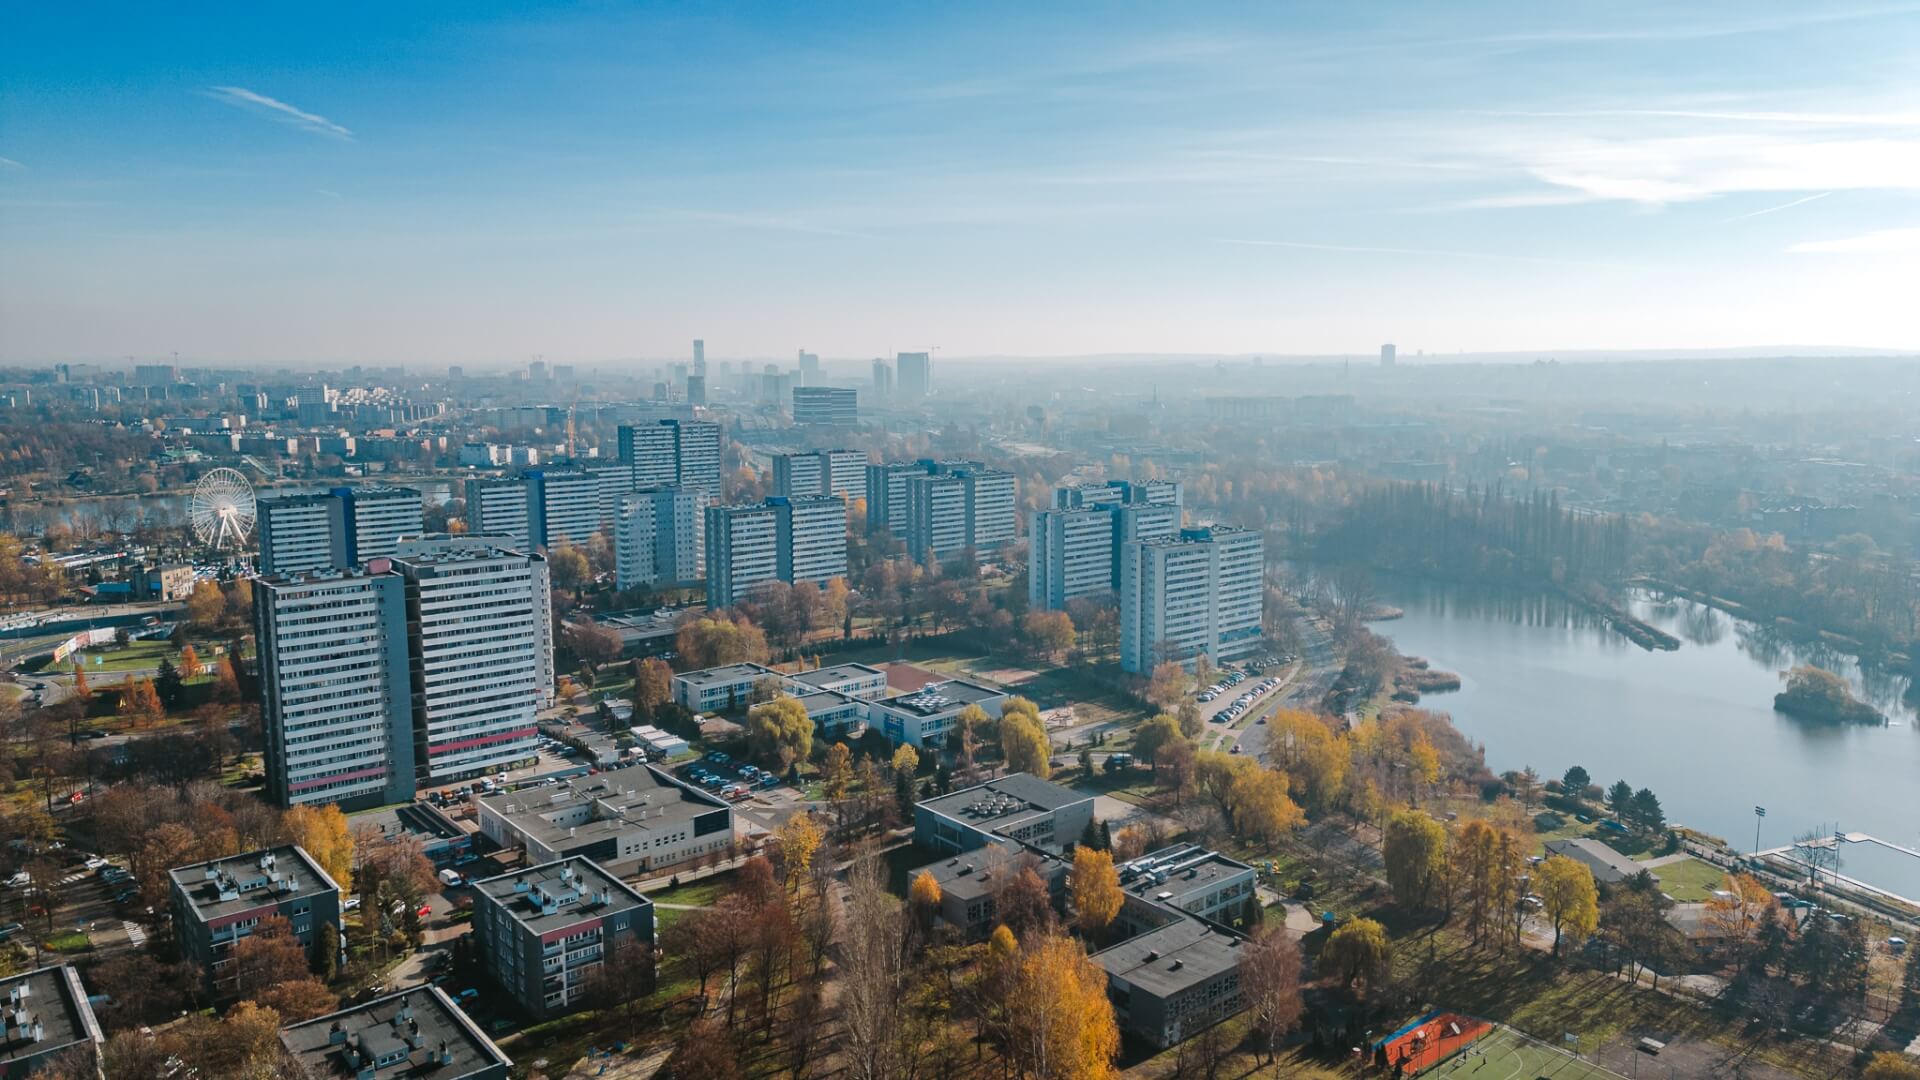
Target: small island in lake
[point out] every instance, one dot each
(1818, 695)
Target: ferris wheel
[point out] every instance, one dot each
(223, 509)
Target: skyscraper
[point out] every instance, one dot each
(697, 455)
(335, 701)
(649, 448)
(1387, 353)
(809, 368)
(991, 518)
(302, 532)
(1196, 592)
(882, 380)
(916, 374)
(697, 389)
(699, 356)
(799, 475)
(480, 652)
(936, 515)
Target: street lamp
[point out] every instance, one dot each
(1759, 812)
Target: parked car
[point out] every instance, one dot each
(9, 930)
(20, 880)
(95, 862)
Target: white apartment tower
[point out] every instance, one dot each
(743, 551)
(936, 516)
(498, 508)
(299, 533)
(378, 517)
(800, 475)
(656, 538)
(1196, 592)
(563, 505)
(480, 648)
(334, 695)
(813, 538)
(991, 519)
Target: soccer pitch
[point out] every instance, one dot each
(1504, 1054)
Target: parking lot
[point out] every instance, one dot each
(1238, 688)
(720, 774)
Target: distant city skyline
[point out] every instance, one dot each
(331, 188)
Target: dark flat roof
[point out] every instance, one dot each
(251, 881)
(385, 1024)
(55, 1000)
(937, 698)
(638, 797)
(726, 673)
(1170, 958)
(572, 883)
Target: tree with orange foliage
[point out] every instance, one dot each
(1060, 1023)
(1096, 890)
(140, 702)
(226, 681)
(81, 690)
(190, 665)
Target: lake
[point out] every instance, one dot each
(1547, 685)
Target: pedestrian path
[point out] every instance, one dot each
(71, 878)
(135, 935)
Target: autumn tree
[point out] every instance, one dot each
(780, 731)
(1891, 1065)
(715, 640)
(1025, 744)
(1050, 633)
(704, 1052)
(226, 681)
(836, 775)
(1024, 904)
(1737, 914)
(268, 956)
(81, 690)
(1567, 893)
(1357, 953)
(1096, 890)
(1313, 757)
(652, 684)
(140, 702)
(924, 897)
(322, 830)
(906, 760)
(1150, 737)
(206, 606)
(1415, 851)
(798, 839)
(190, 666)
(1061, 1023)
(1168, 685)
(1261, 808)
(1270, 967)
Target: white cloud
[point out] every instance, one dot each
(9, 163)
(1882, 242)
(1495, 256)
(241, 97)
(1802, 201)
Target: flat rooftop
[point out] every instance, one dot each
(1171, 958)
(420, 819)
(638, 797)
(1188, 868)
(937, 698)
(423, 1028)
(1026, 789)
(729, 673)
(981, 872)
(820, 701)
(223, 887)
(838, 673)
(560, 894)
(54, 1000)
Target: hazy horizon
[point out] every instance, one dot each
(336, 187)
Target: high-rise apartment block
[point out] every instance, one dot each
(1387, 355)
(563, 505)
(683, 452)
(1196, 592)
(915, 374)
(378, 517)
(498, 508)
(335, 699)
(480, 646)
(822, 472)
(302, 532)
(424, 667)
(1075, 547)
(809, 368)
(948, 506)
(743, 551)
(656, 538)
(783, 539)
(882, 380)
(826, 406)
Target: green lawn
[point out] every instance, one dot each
(700, 893)
(1690, 880)
(139, 655)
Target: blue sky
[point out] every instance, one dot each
(320, 184)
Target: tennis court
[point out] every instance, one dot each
(1505, 1054)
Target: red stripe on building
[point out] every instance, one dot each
(568, 931)
(447, 748)
(358, 774)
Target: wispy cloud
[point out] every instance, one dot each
(1776, 209)
(1882, 242)
(243, 98)
(1491, 256)
(775, 224)
(9, 163)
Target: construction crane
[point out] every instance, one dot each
(571, 409)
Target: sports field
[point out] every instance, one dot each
(1504, 1054)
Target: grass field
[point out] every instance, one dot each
(1690, 880)
(1505, 1054)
